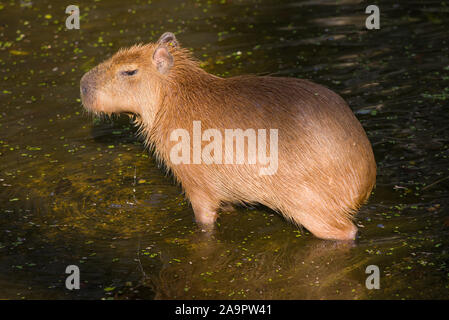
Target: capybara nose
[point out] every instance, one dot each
(84, 84)
(84, 89)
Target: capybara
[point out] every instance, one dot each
(325, 164)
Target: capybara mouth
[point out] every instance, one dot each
(90, 101)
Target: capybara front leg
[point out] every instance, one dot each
(205, 210)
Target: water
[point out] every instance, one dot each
(83, 191)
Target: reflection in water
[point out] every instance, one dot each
(318, 269)
(80, 191)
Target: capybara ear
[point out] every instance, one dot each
(162, 59)
(168, 39)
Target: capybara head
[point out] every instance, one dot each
(130, 81)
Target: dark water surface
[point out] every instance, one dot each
(79, 191)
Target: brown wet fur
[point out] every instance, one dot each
(326, 164)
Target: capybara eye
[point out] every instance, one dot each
(129, 72)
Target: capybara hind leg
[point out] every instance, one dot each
(331, 230)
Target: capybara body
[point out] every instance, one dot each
(325, 169)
